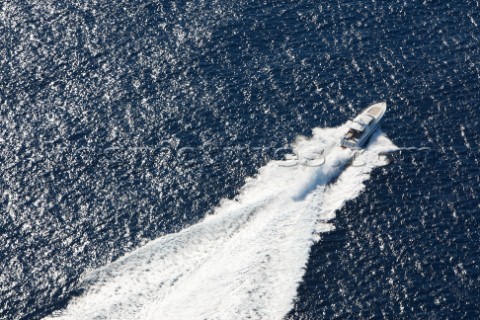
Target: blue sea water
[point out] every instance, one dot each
(124, 122)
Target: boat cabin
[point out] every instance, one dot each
(353, 134)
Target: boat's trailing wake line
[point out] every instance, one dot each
(247, 258)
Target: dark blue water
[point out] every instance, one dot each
(101, 102)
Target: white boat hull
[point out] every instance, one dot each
(363, 126)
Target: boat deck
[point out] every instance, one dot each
(375, 111)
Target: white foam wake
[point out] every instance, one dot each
(245, 260)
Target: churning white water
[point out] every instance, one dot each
(247, 258)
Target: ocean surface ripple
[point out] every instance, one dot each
(125, 124)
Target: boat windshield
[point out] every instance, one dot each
(353, 134)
